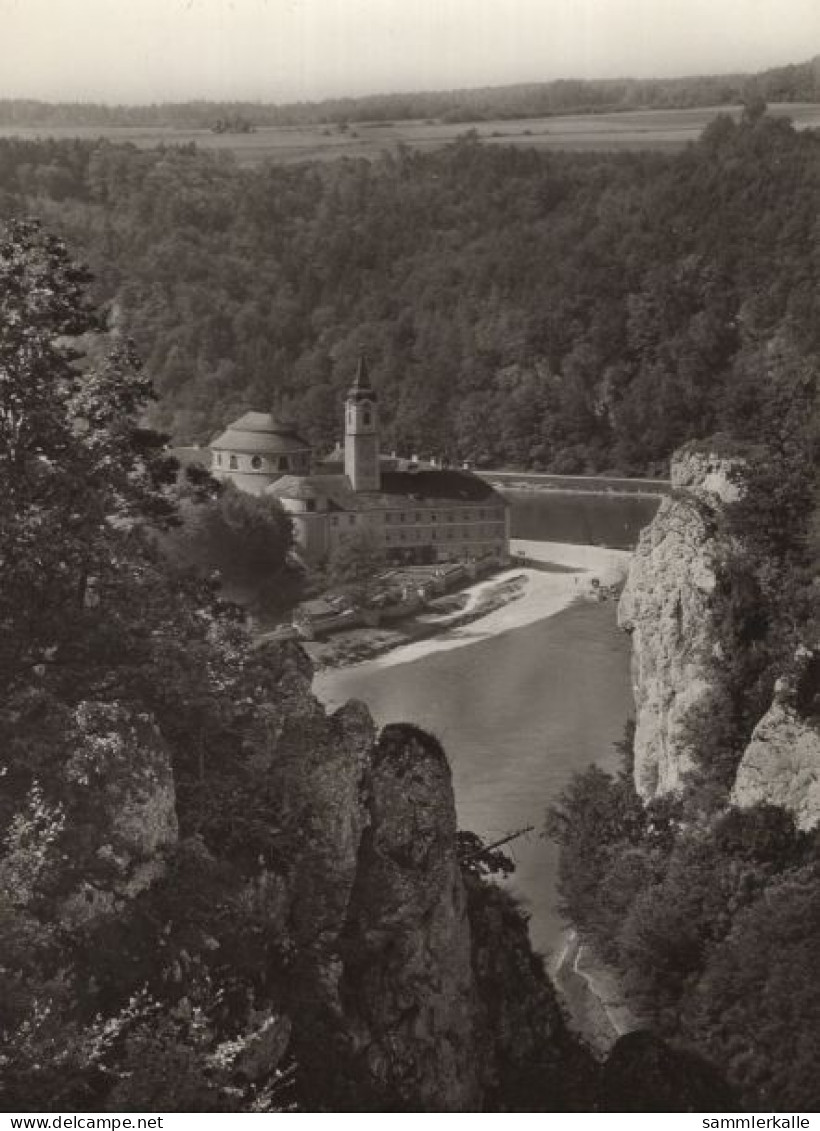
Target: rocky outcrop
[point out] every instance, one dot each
(374, 905)
(407, 984)
(390, 1009)
(320, 765)
(665, 606)
(781, 764)
(366, 957)
(529, 1060)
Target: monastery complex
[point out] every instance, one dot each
(416, 512)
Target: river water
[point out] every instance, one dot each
(518, 713)
(599, 520)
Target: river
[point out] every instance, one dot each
(519, 712)
(600, 520)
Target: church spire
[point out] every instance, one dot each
(361, 386)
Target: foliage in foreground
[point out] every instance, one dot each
(106, 658)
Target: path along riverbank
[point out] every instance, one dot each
(592, 994)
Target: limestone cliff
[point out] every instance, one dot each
(665, 606)
(781, 764)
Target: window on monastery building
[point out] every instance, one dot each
(433, 536)
(402, 516)
(335, 520)
(388, 517)
(351, 520)
(233, 463)
(450, 517)
(434, 518)
(366, 418)
(388, 537)
(310, 504)
(218, 459)
(402, 536)
(418, 516)
(282, 464)
(256, 462)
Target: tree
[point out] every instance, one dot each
(114, 675)
(354, 566)
(243, 538)
(72, 457)
(756, 1007)
(601, 826)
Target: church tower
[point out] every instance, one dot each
(362, 433)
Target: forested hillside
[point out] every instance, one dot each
(559, 312)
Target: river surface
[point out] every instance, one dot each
(518, 713)
(582, 517)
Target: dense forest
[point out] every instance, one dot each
(794, 83)
(567, 313)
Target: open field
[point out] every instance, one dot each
(668, 130)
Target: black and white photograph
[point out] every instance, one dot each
(409, 560)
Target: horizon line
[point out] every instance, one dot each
(416, 91)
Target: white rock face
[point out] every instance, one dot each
(712, 479)
(781, 766)
(666, 606)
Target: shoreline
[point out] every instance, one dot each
(543, 595)
(360, 645)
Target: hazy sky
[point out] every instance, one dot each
(282, 50)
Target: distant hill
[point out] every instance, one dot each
(793, 83)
